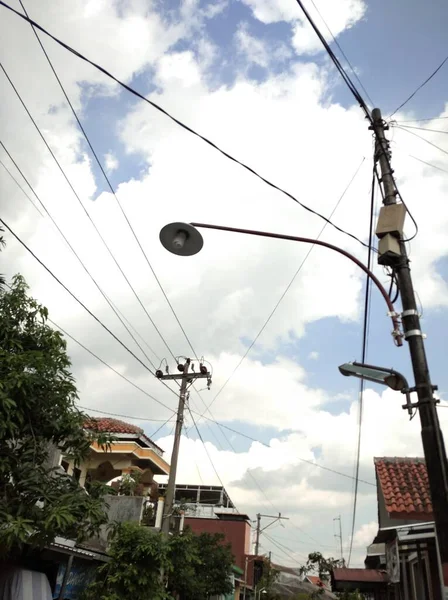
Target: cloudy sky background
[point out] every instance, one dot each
(251, 76)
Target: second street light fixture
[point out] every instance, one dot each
(389, 377)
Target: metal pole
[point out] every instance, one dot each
(68, 568)
(257, 539)
(245, 577)
(170, 488)
(432, 438)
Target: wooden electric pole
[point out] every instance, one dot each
(392, 253)
(187, 378)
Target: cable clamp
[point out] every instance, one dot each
(413, 332)
(411, 312)
(393, 314)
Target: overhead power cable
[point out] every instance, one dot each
(424, 161)
(288, 287)
(180, 123)
(75, 297)
(419, 87)
(105, 412)
(81, 262)
(343, 53)
(292, 554)
(109, 183)
(205, 447)
(355, 93)
(143, 391)
(336, 62)
(31, 201)
(421, 120)
(105, 244)
(423, 129)
(185, 429)
(422, 138)
(363, 360)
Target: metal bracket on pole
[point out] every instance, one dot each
(411, 312)
(412, 332)
(410, 405)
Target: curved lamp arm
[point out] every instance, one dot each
(280, 236)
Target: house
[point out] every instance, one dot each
(406, 528)
(209, 509)
(371, 583)
(403, 560)
(315, 580)
(130, 452)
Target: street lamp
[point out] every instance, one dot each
(184, 239)
(389, 377)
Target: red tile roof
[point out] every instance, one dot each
(360, 575)
(405, 487)
(107, 425)
(315, 580)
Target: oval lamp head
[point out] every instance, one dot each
(181, 238)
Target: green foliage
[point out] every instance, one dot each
(350, 595)
(201, 566)
(317, 563)
(268, 579)
(137, 556)
(194, 566)
(38, 415)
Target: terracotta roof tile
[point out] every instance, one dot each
(405, 486)
(107, 425)
(360, 575)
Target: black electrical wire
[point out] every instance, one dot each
(288, 287)
(343, 53)
(205, 447)
(422, 129)
(75, 297)
(336, 62)
(180, 123)
(108, 300)
(154, 433)
(108, 182)
(83, 207)
(357, 96)
(140, 389)
(19, 186)
(420, 87)
(105, 412)
(284, 549)
(428, 164)
(363, 359)
(421, 120)
(422, 138)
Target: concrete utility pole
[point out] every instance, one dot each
(187, 378)
(259, 530)
(392, 253)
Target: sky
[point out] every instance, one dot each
(252, 77)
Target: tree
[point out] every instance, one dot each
(195, 566)
(268, 579)
(137, 556)
(317, 563)
(201, 566)
(37, 415)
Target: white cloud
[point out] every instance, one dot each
(338, 14)
(313, 355)
(111, 162)
(224, 294)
